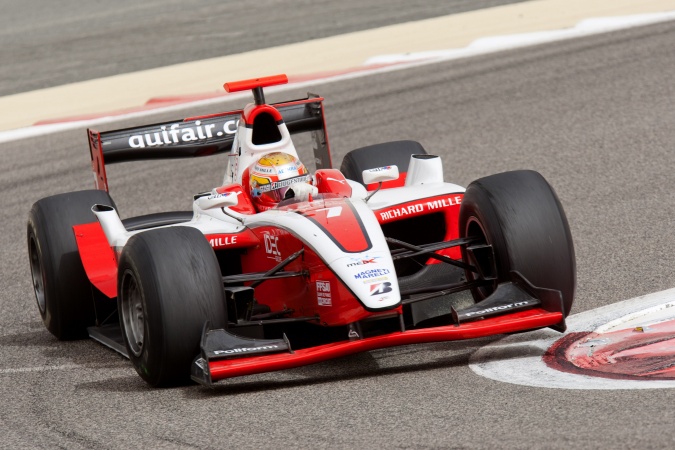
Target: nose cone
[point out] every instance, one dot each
(371, 277)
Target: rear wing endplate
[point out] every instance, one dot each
(200, 136)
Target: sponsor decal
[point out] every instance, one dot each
(496, 308)
(380, 288)
(379, 169)
(323, 294)
(364, 260)
(231, 240)
(223, 241)
(201, 364)
(214, 196)
(263, 169)
(287, 168)
(421, 207)
(272, 247)
(371, 280)
(245, 349)
(445, 202)
(284, 183)
(177, 134)
(371, 273)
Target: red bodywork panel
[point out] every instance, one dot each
(448, 204)
(399, 182)
(321, 293)
(332, 181)
(520, 321)
(345, 229)
(100, 263)
(98, 259)
(221, 241)
(336, 305)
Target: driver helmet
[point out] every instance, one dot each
(271, 176)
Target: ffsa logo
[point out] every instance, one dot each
(380, 288)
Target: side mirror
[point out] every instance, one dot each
(380, 174)
(216, 200)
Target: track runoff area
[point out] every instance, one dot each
(626, 345)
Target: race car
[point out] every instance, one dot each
(279, 267)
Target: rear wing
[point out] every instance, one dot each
(200, 136)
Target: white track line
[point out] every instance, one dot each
(39, 369)
(50, 368)
(517, 359)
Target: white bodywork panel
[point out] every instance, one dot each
(395, 196)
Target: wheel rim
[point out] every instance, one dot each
(133, 316)
(37, 275)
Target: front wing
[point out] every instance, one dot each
(207, 371)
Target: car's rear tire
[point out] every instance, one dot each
(61, 286)
(379, 155)
(520, 215)
(169, 286)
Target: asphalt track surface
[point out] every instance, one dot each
(594, 115)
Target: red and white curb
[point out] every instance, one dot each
(626, 345)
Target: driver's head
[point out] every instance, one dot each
(271, 176)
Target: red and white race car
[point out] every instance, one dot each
(382, 252)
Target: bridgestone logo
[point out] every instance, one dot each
(496, 308)
(245, 349)
(284, 183)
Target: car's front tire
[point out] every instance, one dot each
(520, 215)
(169, 286)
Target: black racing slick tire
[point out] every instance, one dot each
(379, 155)
(62, 289)
(169, 285)
(520, 215)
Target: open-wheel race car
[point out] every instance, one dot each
(279, 267)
